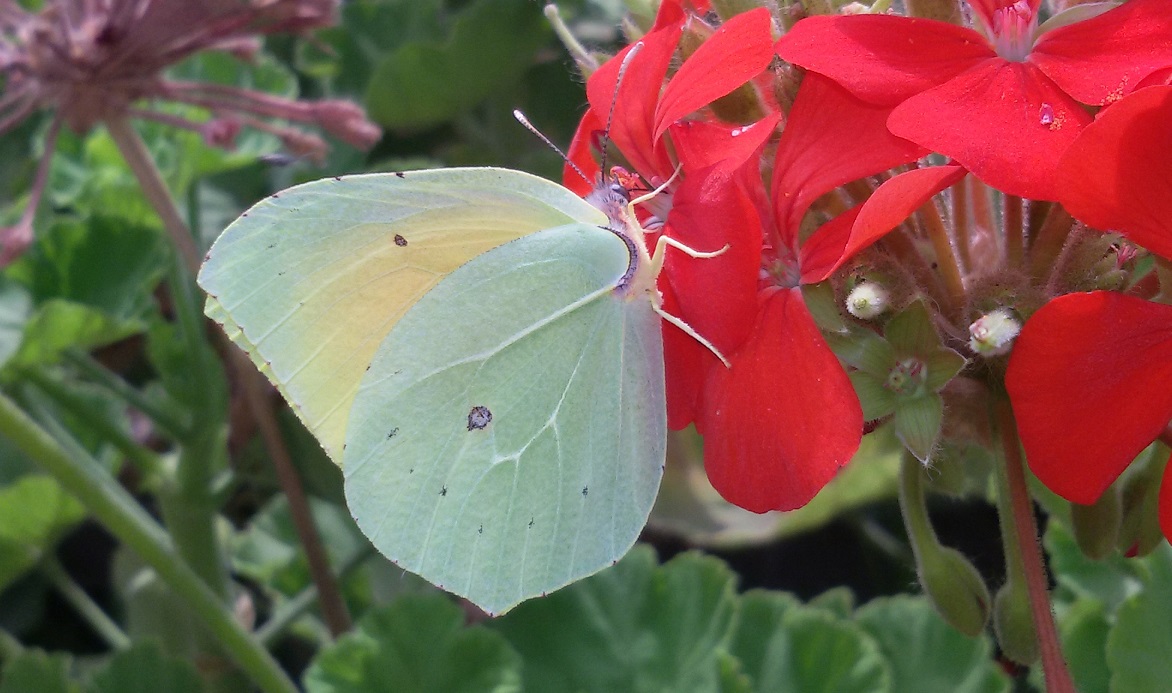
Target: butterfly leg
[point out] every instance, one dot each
(690, 331)
(660, 253)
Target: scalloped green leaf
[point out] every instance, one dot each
(926, 654)
(784, 646)
(417, 644)
(1139, 645)
(427, 82)
(635, 628)
(35, 671)
(144, 668)
(58, 325)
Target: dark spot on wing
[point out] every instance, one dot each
(531, 522)
(478, 418)
(275, 196)
(400, 174)
(400, 241)
(481, 530)
(281, 273)
(270, 246)
(394, 431)
(444, 491)
(585, 491)
(411, 470)
(338, 178)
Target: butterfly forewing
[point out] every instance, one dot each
(310, 281)
(510, 435)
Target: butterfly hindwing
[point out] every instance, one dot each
(510, 435)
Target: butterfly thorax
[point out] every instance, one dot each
(614, 200)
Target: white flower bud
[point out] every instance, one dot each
(993, 334)
(868, 301)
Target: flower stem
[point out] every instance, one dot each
(135, 152)
(84, 605)
(961, 223)
(1047, 244)
(1014, 231)
(1053, 664)
(121, 514)
(945, 257)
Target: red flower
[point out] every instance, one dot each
(706, 208)
(1005, 104)
(784, 418)
(1090, 377)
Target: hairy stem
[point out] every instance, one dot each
(1053, 664)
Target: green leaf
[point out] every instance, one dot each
(784, 646)
(634, 628)
(145, 669)
(34, 513)
(105, 263)
(416, 644)
(1084, 629)
(427, 82)
(917, 422)
(58, 325)
(1111, 580)
(269, 551)
(926, 654)
(37, 672)
(1138, 646)
(15, 307)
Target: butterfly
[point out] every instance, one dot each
(478, 349)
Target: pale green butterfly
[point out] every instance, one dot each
(479, 349)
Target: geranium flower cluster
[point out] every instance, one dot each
(938, 218)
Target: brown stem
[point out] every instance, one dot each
(961, 225)
(1053, 664)
(1049, 241)
(333, 607)
(946, 261)
(135, 152)
(1014, 231)
(139, 159)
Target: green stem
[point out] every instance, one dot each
(288, 612)
(121, 514)
(165, 418)
(84, 605)
(1028, 544)
(145, 460)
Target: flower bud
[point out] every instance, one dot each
(993, 333)
(1096, 526)
(1014, 624)
(955, 588)
(868, 301)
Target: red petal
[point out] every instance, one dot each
(1118, 173)
(892, 203)
(738, 51)
(1105, 57)
(780, 423)
(581, 152)
(1004, 121)
(700, 144)
(883, 59)
(634, 109)
(1090, 379)
(830, 138)
(718, 296)
(685, 364)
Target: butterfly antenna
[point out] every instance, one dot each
(614, 99)
(549, 143)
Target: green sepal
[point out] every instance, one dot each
(911, 332)
(1014, 624)
(942, 365)
(917, 423)
(864, 350)
(877, 400)
(823, 306)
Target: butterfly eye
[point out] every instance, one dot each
(620, 190)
